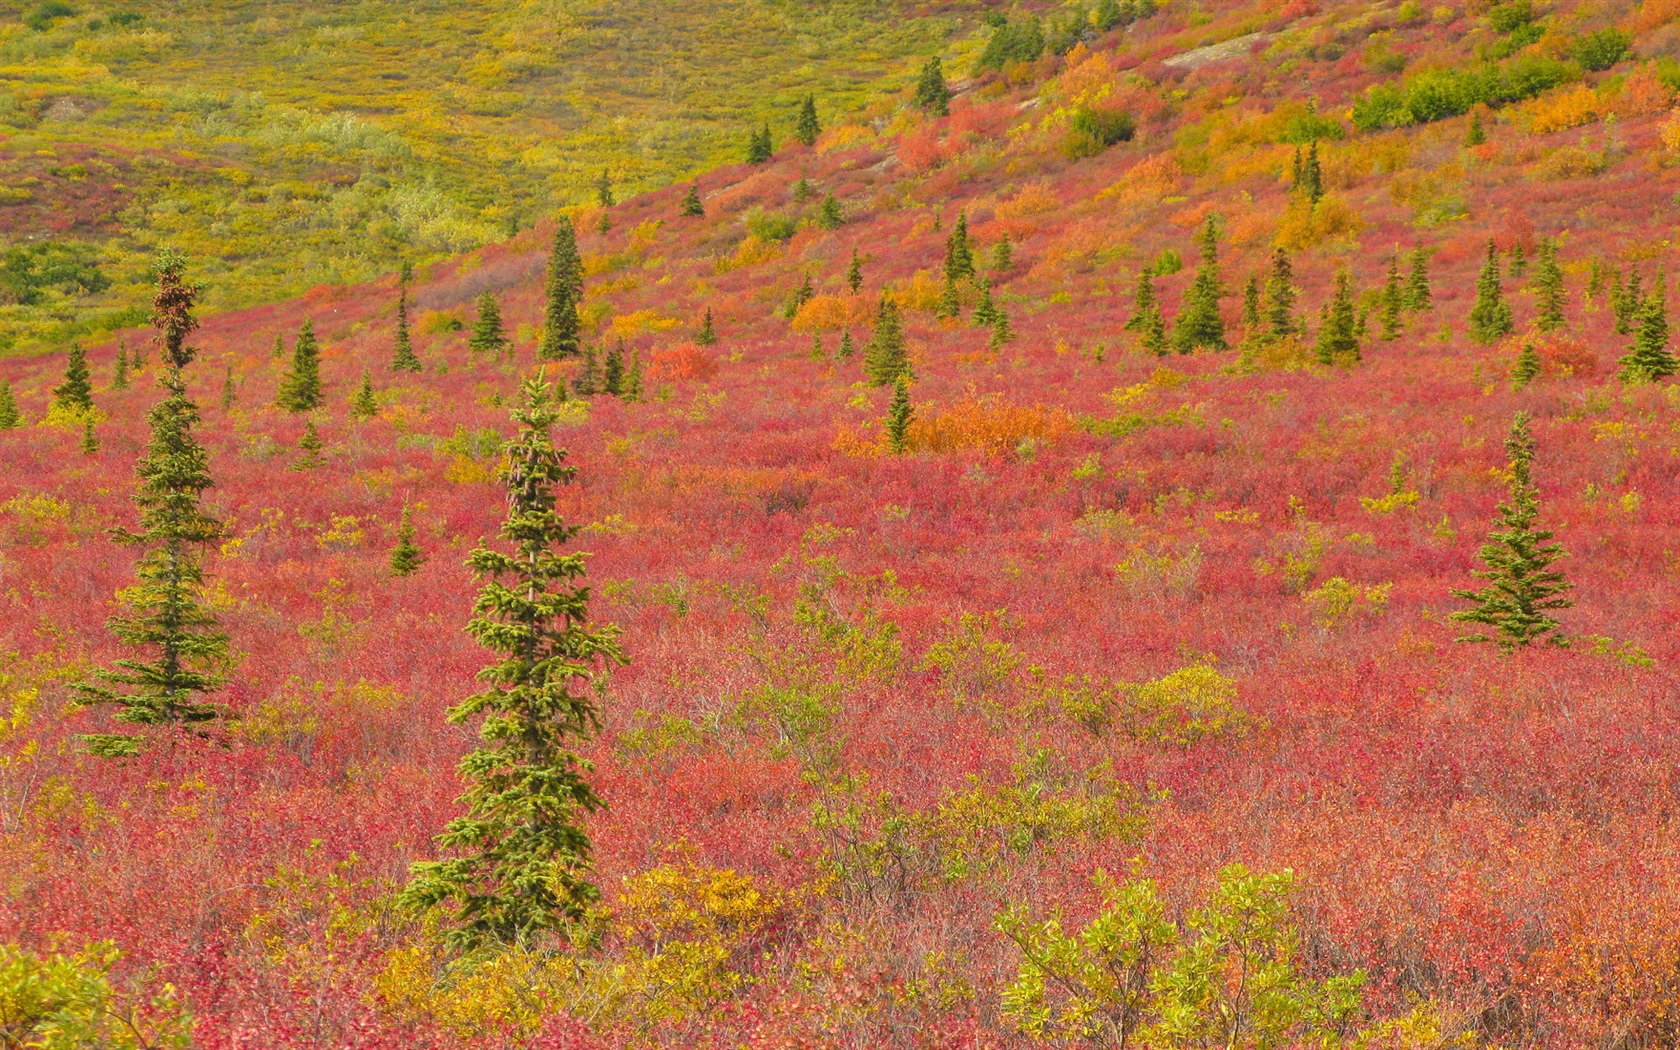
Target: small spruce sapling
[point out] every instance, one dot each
(1338, 334)
(1527, 366)
(230, 391)
(1490, 317)
(119, 371)
(300, 387)
(310, 445)
(707, 335)
(488, 336)
(692, 208)
(933, 95)
(562, 288)
(899, 414)
(854, 273)
(959, 254)
(1393, 302)
(75, 394)
(1649, 359)
(1199, 325)
(403, 358)
(806, 127)
(406, 556)
(90, 440)
(830, 216)
(884, 358)
(1549, 295)
(10, 417)
(1001, 332)
(363, 404)
(1418, 295)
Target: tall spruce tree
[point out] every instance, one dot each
(1490, 317)
(402, 353)
(1549, 295)
(75, 394)
(488, 336)
(933, 95)
(1251, 319)
(10, 417)
(1526, 369)
(406, 555)
(854, 273)
(1418, 295)
(1199, 325)
(1338, 334)
(181, 649)
(518, 861)
(363, 404)
(959, 254)
(1627, 306)
(806, 127)
(1393, 302)
(300, 387)
(612, 372)
(1309, 182)
(692, 208)
(1649, 359)
(1280, 297)
(562, 289)
(1523, 588)
(899, 414)
(1143, 300)
(759, 146)
(884, 358)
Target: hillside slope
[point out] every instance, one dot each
(1111, 615)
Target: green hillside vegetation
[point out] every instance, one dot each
(291, 146)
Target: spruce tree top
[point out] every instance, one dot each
(932, 93)
(76, 392)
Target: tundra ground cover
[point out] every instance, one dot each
(1154, 616)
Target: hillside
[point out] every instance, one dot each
(1113, 622)
(324, 144)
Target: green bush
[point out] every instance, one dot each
(1601, 48)
(1442, 93)
(60, 1002)
(1090, 131)
(768, 226)
(1011, 42)
(45, 13)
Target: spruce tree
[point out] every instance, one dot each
(279, 349)
(90, 440)
(406, 556)
(1527, 367)
(1251, 307)
(1649, 359)
(759, 147)
(612, 373)
(1154, 339)
(1490, 317)
(959, 256)
(402, 354)
(1519, 259)
(604, 190)
(1549, 295)
(985, 311)
(1310, 184)
(230, 393)
(691, 206)
(1393, 302)
(1143, 300)
(487, 334)
(1280, 297)
(310, 444)
(119, 371)
(1595, 281)
(806, 127)
(707, 335)
(854, 273)
(1338, 335)
(1418, 295)
(562, 289)
(1001, 332)
(363, 404)
(847, 348)
(830, 216)
(949, 306)
(1474, 135)
(181, 647)
(300, 387)
(75, 394)
(585, 383)
(1003, 256)
(899, 414)
(1628, 306)
(1522, 587)
(518, 861)
(933, 95)
(633, 378)
(1199, 324)
(884, 358)
(10, 417)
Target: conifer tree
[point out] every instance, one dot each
(75, 394)
(1310, 183)
(584, 384)
(1474, 135)
(181, 647)
(1280, 297)
(1629, 305)
(806, 127)
(363, 404)
(985, 311)
(830, 216)
(90, 440)
(1490, 317)
(1393, 301)
(1549, 295)
(562, 289)
(633, 378)
(1338, 335)
(707, 335)
(884, 358)
(949, 306)
(1251, 307)
(854, 273)
(1001, 332)
(1527, 367)
(612, 373)
(1143, 300)
(603, 225)
(230, 393)
(487, 336)
(1199, 324)
(119, 372)
(1649, 359)
(1595, 280)
(817, 351)
(406, 556)
(604, 190)
(300, 387)
(402, 354)
(899, 414)
(847, 348)
(1154, 328)
(759, 147)
(1523, 588)
(1418, 295)
(310, 445)
(1519, 259)
(1003, 256)
(933, 95)
(279, 349)
(10, 417)
(959, 256)
(518, 861)
(692, 208)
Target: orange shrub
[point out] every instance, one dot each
(831, 313)
(1563, 356)
(1149, 179)
(1569, 108)
(1643, 93)
(685, 361)
(1033, 199)
(1651, 14)
(988, 423)
(920, 292)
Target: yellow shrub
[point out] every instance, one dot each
(989, 423)
(1335, 603)
(1306, 225)
(920, 292)
(1568, 162)
(844, 137)
(1671, 132)
(1033, 199)
(639, 321)
(1152, 178)
(1191, 704)
(751, 252)
(1569, 108)
(830, 313)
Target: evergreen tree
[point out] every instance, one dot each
(310, 444)
(1199, 324)
(300, 387)
(487, 334)
(406, 556)
(633, 378)
(899, 414)
(165, 620)
(363, 404)
(75, 394)
(933, 95)
(959, 256)
(1143, 300)
(1003, 256)
(1251, 306)
(1474, 135)
(1338, 336)
(519, 858)
(279, 349)
(950, 304)
(1519, 260)
(603, 225)
(1649, 359)
(1393, 302)
(691, 206)
(1527, 367)
(1310, 182)
(1490, 318)
(1549, 295)
(230, 393)
(561, 291)
(1523, 588)
(1628, 305)
(1595, 281)
(854, 273)
(1418, 295)
(90, 440)
(585, 383)
(1001, 332)
(759, 147)
(1154, 328)
(830, 216)
(806, 127)
(612, 374)
(846, 348)
(706, 336)
(119, 372)
(884, 357)
(10, 417)
(985, 311)
(1280, 297)
(402, 355)
(604, 190)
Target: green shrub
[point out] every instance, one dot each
(767, 226)
(1601, 48)
(65, 1001)
(1011, 42)
(1090, 131)
(46, 12)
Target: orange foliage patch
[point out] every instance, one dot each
(1564, 356)
(1034, 199)
(1569, 108)
(1149, 179)
(1643, 93)
(989, 423)
(831, 313)
(685, 361)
